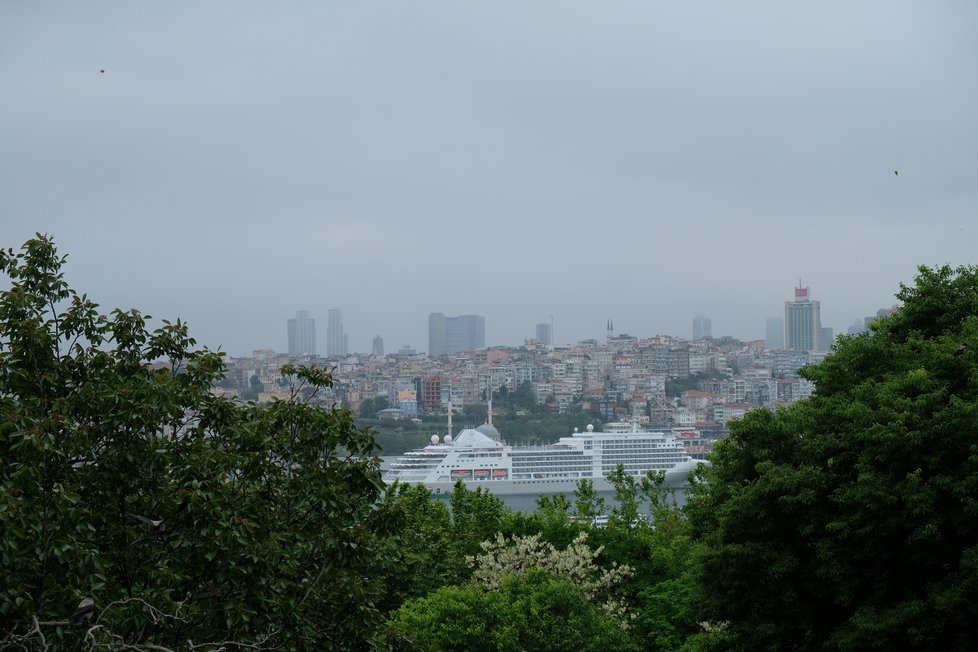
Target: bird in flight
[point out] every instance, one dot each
(102, 71)
(154, 528)
(896, 172)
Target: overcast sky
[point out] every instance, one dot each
(642, 161)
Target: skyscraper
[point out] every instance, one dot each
(437, 345)
(335, 338)
(455, 334)
(302, 334)
(702, 327)
(378, 348)
(802, 322)
(775, 333)
(544, 334)
(825, 339)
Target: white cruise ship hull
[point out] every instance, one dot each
(478, 460)
(677, 477)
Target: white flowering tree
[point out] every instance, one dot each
(519, 555)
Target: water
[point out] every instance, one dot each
(527, 503)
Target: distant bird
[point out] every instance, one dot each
(961, 350)
(896, 172)
(102, 71)
(84, 612)
(154, 528)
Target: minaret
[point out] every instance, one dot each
(449, 417)
(611, 330)
(489, 407)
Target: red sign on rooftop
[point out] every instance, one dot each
(801, 294)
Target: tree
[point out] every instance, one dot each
(418, 550)
(533, 611)
(176, 518)
(588, 505)
(850, 520)
(553, 520)
(476, 517)
(502, 558)
(255, 388)
(371, 406)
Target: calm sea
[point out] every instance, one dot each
(527, 503)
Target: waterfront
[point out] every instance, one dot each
(527, 503)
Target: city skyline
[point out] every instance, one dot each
(776, 332)
(647, 161)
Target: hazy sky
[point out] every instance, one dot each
(643, 161)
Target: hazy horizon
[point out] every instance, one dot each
(643, 162)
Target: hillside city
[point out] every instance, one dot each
(691, 386)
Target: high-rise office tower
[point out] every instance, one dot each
(455, 334)
(545, 334)
(802, 322)
(702, 327)
(437, 345)
(825, 339)
(335, 338)
(302, 334)
(775, 333)
(378, 348)
(465, 333)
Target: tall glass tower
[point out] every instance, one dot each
(335, 337)
(455, 334)
(302, 334)
(702, 327)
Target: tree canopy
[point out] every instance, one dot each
(140, 511)
(850, 521)
(171, 517)
(535, 610)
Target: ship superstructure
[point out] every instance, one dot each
(479, 459)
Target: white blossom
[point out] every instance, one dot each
(503, 557)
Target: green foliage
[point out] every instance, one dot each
(625, 511)
(648, 532)
(554, 520)
(183, 516)
(542, 426)
(664, 617)
(395, 437)
(417, 551)
(476, 517)
(423, 542)
(676, 386)
(371, 406)
(850, 521)
(522, 398)
(588, 505)
(535, 611)
(522, 554)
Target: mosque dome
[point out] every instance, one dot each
(490, 431)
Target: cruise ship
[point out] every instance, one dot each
(478, 458)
